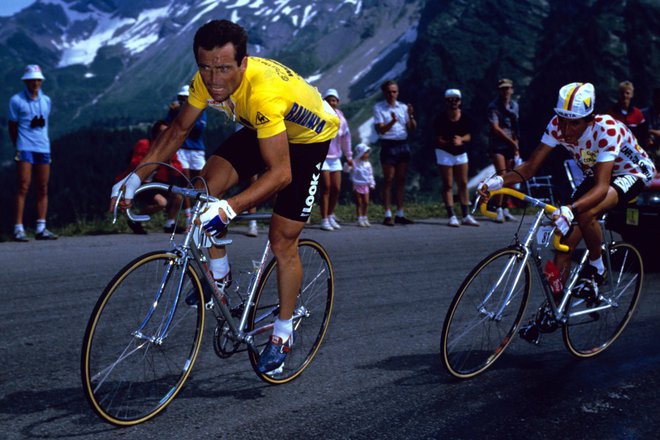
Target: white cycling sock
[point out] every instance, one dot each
(18, 228)
(169, 222)
(283, 328)
(41, 225)
(219, 267)
(598, 264)
(399, 213)
(388, 213)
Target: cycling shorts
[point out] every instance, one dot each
(627, 187)
(332, 165)
(394, 152)
(32, 157)
(449, 160)
(296, 200)
(191, 159)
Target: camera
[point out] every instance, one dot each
(38, 122)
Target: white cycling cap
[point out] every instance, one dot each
(576, 100)
(33, 71)
(453, 93)
(185, 91)
(331, 92)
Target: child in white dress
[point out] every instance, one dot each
(362, 176)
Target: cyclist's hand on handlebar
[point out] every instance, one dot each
(491, 184)
(562, 218)
(216, 217)
(129, 185)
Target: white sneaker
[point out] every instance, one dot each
(500, 216)
(508, 216)
(361, 222)
(333, 222)
(453, 222)
(326, 226)
(252, 231)
(366, 222)
(469, 221)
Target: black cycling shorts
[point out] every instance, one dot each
(296, 200)
(627, 187)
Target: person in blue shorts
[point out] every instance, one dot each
(28, 130)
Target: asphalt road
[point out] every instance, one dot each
(377, 376)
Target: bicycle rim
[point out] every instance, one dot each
(313, 308)
(589, 334)
(129, 377)
(485, 313)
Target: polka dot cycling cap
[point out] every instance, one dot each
(576, 100)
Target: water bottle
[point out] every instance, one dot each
(554, 278)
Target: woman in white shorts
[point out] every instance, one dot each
(332, 167)
(451, 133)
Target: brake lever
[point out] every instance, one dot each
(116, 207)
(476, 204)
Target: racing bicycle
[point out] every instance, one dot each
(488, 307)
(145, 331)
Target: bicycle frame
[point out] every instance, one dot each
(190, 253)
(528, 251)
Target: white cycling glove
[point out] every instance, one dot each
(132, 183)
(563, 218)
(211, 220)
(492, 184)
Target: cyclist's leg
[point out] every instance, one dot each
(588, 222)
(283, 237)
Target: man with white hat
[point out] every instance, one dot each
(616, 170)
(28, 130)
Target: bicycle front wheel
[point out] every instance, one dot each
(485, 313)
(592, 328)
(311, 314)
(142, 339)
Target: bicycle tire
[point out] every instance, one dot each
(314, 302)
(587, 335)
(473, 337)
(128, 379)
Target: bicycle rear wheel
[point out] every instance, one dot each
(140, 346)
(311, 314)
(485, 313)
(590, 333)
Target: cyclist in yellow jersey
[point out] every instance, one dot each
(286, 134)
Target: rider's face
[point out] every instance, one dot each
(219, 70)
(572, 129)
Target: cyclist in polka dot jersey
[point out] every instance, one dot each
(616, 170)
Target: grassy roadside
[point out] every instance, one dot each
(344, 212)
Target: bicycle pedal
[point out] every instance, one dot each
(530, 333)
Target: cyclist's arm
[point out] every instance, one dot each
(602, 177)
(169, 141)
(275, 153)
(529, 167)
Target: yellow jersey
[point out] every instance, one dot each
(271, 99)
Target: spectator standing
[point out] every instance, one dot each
(503, 117)
(652, 117)
(29, 111)
(393, 121)
(362, 176)
(451, 130)
(156, 202)
(332, 167)
(192, 153)
(624, 111)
